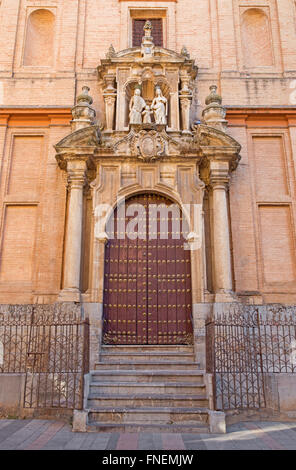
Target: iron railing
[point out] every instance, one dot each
(51, 349)
(245, 344)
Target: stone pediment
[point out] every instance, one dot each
(208, 136)
(134, 54)
(87, 137)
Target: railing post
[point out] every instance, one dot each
(210, 364)
(85, 359)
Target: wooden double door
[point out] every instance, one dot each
(147, 277)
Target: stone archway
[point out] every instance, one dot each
(147, 277)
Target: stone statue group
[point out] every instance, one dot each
(140, 112)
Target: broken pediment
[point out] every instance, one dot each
(208, 136)
(87, 137)
(151, 142)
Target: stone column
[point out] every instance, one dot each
(222, 253)
(72, 261)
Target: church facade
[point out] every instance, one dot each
(148, 182)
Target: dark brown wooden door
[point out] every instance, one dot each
(147, 284)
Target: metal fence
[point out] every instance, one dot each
(51, 349)
(245, 344)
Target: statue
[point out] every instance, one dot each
(147, 115)
(137, 104)
(160, 107)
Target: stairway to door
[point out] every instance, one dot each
(147, 388)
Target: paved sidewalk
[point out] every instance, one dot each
(41, 434)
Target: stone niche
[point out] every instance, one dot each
(147, 67)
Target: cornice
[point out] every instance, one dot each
(250, 116)
(34, 116)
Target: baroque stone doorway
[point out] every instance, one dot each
(147, 276)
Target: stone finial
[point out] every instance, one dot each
(148, 28)
(84, 97)
(111, 52)
(214, 113)
(184, 52)
(83, 114)
(147, 47)
(213, 97)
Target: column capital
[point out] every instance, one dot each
(218, 174)
(76, 172)
(219, 181)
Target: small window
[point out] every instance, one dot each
(138, 31)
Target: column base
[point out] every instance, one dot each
(79, 420)
(217, 422)
(69, 295)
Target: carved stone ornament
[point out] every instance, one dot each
(83, 114)
(148, 145)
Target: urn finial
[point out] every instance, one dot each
(213, 97)
(111, 52)
(84, 97)
(214, 113)
(83, 114)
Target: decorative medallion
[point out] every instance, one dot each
(148, 145)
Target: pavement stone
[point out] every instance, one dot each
(11, 429)
(146, 441)
(60, 440)
(30, 433)
(76, 442)
(101, 441)
(54, 435)
(112, 443)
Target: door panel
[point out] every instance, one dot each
(147, 284)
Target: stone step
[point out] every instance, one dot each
(148, 415)
(200, 428)
(139, 400)
(147, 376)
(183, 388)
(147, 348)
(144, 356)
(172, 365)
